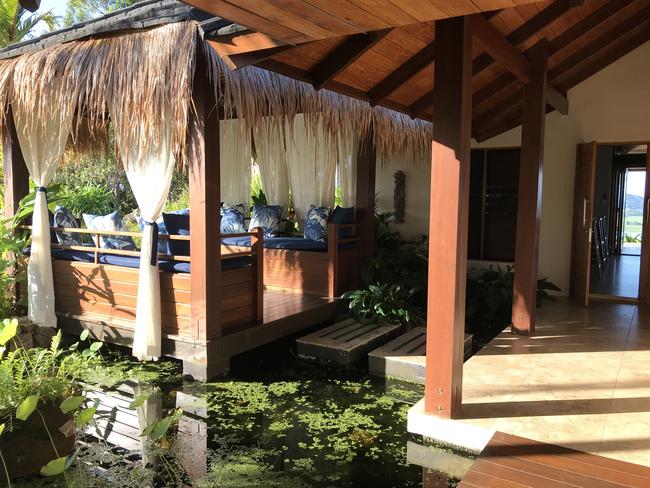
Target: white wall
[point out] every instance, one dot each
(611, 106)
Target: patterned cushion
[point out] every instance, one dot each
(178, 224)
(343, 215)
(267, 217)
(232, 219)
(163, 244)
(109, 222)
(63, 218)
(316, 223)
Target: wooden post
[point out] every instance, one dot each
(448, 217)
(16, 176)
(529, 206)
(365, 203)
(205, 248)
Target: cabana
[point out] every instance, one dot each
(149, 75)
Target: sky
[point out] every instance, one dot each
(57, 6)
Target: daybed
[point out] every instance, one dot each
(318, 268)
(100, 285)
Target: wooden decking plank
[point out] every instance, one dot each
(475, 479)
(509, 460)
(507, 472)
(554, 473)
(575, 458)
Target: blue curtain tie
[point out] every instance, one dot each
(154, 242)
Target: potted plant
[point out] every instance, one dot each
(41, 402)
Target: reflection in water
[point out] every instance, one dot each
(286, 423)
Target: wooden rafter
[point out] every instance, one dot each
(498, 47)
(518, 36)
(246, 47)
(401, 75)
(506, 81)
(343, 56)
(631, 32)
(615, 52)
(528, 29)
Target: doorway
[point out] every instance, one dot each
(610, 220)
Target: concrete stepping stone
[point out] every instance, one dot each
(345, 342)
(404, 357)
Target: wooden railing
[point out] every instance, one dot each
(255, 248)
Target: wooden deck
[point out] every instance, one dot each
(511, 461)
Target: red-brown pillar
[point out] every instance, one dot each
(205, 249)
(448, 217)
(529, 206)
(16, 176)
(365, 200)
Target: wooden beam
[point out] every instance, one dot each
(401, 75)
(518, 36)
(31, 5)
(618, 41)
(628, 45)
(529, 202)
(204, 176)
(448, 216)
(528, 29)
(244, 48)
(557, 100)
(16, 176)
(343, 56)
(498, 47)
(506, 81)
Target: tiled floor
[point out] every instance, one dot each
(621, 279)
(582, 382)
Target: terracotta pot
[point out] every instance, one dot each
(28, 448)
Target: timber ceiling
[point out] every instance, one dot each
(391, 64)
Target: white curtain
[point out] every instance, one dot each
(347, 167)
(149, 166)
(236, 162)
(42, 134)
(272, 161)
(311, 165)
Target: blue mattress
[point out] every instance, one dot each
(288, 243)
(134, 261)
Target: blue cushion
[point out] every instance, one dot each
(184, 267)
(109, 222)
(178, 224)
(267, 217)
(342, 216)
(232, 219)
(316, 223)
(288, 243)
(63, 218)
(244, 241)
(163, 244)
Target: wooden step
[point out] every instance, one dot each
(404, 357)
(345, 342)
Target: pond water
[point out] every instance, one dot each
(277, 421)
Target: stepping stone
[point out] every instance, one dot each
(345, 342)
(404, 357)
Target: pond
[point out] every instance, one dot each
(275, 421)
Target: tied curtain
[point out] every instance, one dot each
(272, 161)
(149, 167)
(311, 166)
(42, 134)
(347, 168)
(236, 162)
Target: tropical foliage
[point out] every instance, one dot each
(18, 24)
(82, 10)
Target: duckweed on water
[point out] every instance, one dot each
(280, 423)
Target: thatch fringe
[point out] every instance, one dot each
(145, 79)
(253, 94)
(139, 76)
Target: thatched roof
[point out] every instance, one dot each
(120, 59)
